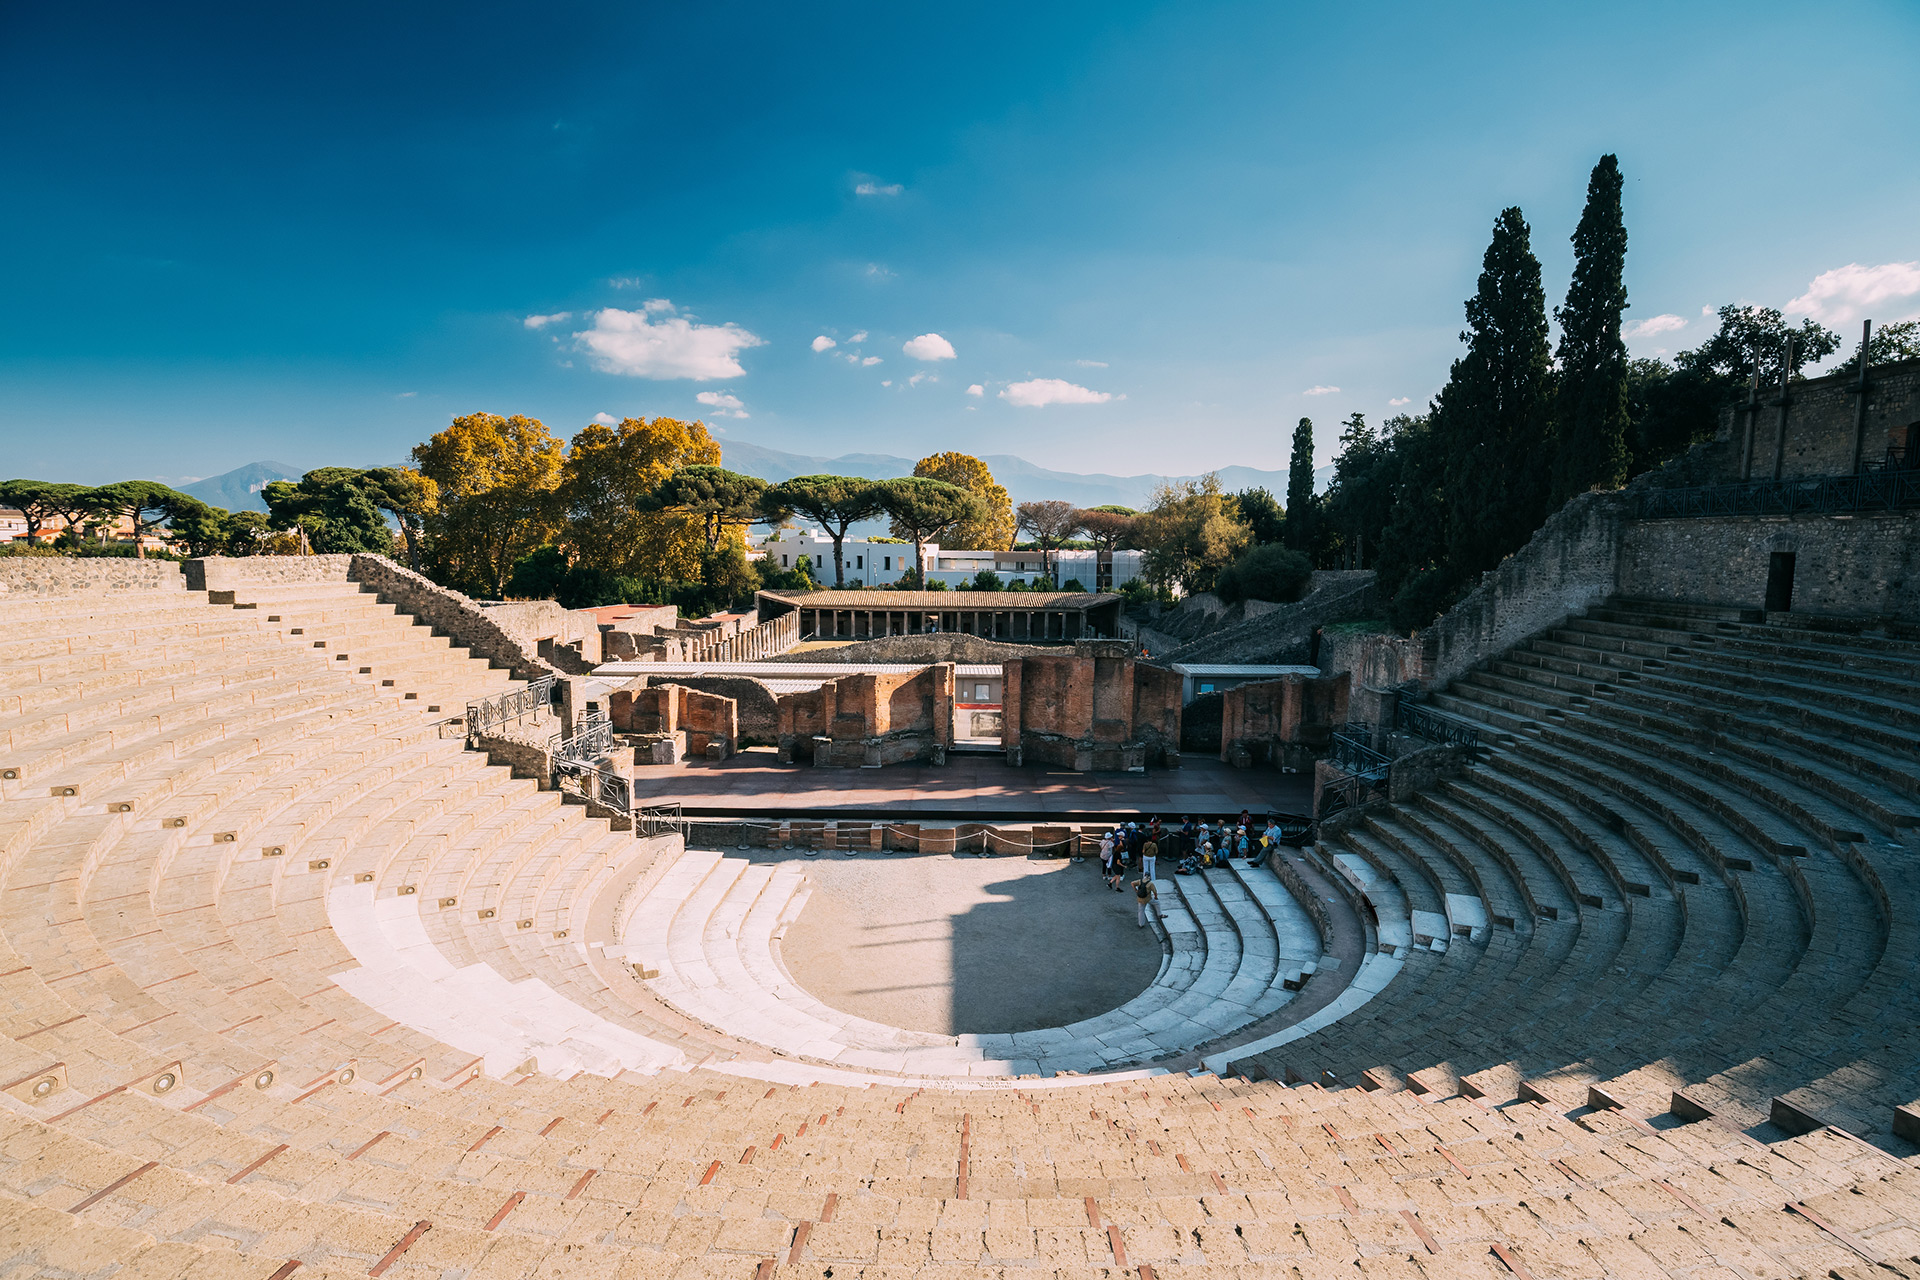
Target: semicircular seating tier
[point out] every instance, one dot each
(298, 985)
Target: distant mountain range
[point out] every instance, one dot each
(1025, 482)
(239, 489)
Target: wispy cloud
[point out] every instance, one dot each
(1397, 401)
(869, 361)
(871, 188)
(406, 395)
(859, 337)
(1890, 291)
(1653, 325)
(628, 282)
(541, 322)
(928, 346)
(976, 390)
(922, 376)
(636, 344)
(824, 343)
(877, 272)
(722, 404)
(1320, 391)
(1036, 392)
(1091, 364)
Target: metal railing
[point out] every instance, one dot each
(511, 707)
(1352, 753)
(1892, 486)
(660, 820)
(591, 739)
(1435, 726)
(1350, 791)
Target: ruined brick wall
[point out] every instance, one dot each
(1858, 564)
(1282, 722)
(1820, 424)
(871, 718)
(1098, 708)
(1157, 710)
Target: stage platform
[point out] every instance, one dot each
(968, 788)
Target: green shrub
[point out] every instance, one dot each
(1425, 596)
(1072, 584)
(24, 549)
(1270, 572)
(986, 580)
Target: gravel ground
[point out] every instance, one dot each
(933, 942)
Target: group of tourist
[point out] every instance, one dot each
(1193, 847)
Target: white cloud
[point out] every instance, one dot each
(606, 419)
(406, 395)
(1653, 325)
(1397, 401)
(722, 404)
(976, 390)
(657, 305)
(921, 377)
(878, 189)
(627, 282)
(869, 361)
(638, 346)
(859, 337)
(824, 343)
(1320, 391)
(928, 346)
(1853, 292)
(877, 272)
(1041, 391)
(541, 322)
(1091, 364)
(887, 383)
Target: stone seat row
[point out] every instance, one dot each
(1717, 857)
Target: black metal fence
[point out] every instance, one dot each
(511, 707)
(1352, 753)
(1892, 486)
(1423, 721)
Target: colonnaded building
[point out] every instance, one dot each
(355, 928)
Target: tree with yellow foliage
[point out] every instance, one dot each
(994, 532)
(498, 482)
(612, 474)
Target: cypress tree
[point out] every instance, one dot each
(1299, 528)
(1590, 405)
(1492, 415)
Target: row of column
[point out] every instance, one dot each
(1016, 624)
(763, 641)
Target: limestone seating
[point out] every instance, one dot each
(1183, 1176)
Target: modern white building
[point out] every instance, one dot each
(869, 563)
(866, 563)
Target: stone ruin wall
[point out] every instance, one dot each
(79, 575)
(1820, 425)
(671, 722)
(1097, 708)
(870, 718)
(1283, 722)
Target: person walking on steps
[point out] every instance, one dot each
(1144, 894)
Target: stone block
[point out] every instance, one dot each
(1792, 1118)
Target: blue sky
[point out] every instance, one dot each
(1152, 236)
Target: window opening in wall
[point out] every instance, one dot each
(981, 693)
(1780, 582)
(859, 562)
(1206, 688)
(784, 564)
